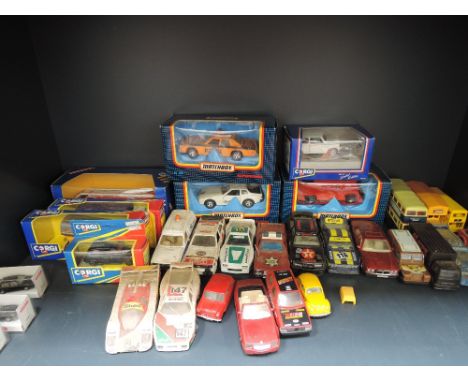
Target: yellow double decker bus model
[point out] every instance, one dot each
(437, 208)
(405, 206)
(456, 216)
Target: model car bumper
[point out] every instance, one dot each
(295, 330)
(341, 270)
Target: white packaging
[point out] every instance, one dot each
(4, 338)
(130, 326)
(28, 280)
(16, 312)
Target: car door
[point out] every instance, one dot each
(228, 196)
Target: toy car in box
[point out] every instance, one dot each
(16, 312)
(219, 147)
(29, 280)
(358, 199)
(334, 152)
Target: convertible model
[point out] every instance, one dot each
(321, 193)
(247, 194)
(15, 282)
(237, 253)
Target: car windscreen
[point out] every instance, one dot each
(271, 246)
(255, 311)
(172, 240)
(254, 188)
(306, 240)
(175, 308)
(313, 290)
(289, 299)
(204, 241)
(214, 296)
(238, 240)
(376, 245)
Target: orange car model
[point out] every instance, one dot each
(228, 145)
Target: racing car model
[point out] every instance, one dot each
(175, 319)
(346, 192)
(377, 256)
(340, 250)
(271, 248)
(246, 194)
(15, 282)
(257, 327)
(237, 253)
(216, 297)
(288, 304)
(305, 245)
(316, 303)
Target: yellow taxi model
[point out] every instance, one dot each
(316, 303)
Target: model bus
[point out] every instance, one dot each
(456, 217)
(437, 208)
(405, 206)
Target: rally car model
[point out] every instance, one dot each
(246, 194)
(104, 253)
(271, 248)
(316, 303)
(216, 297)
(257, 328)
(227, 145)
(305, 245)
(340, 251)
(8, 313)
(288, 304)
(175, 319)
(204, 247)
(346, 192)
(15, 282)
(237, 253)
(377, 256)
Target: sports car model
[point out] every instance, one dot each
(305, 245)
(237, 253)
(246, 194)
(175, 319)
(288, 304)
(15, 282)
(271, 248)
(257, 328)
(341, 253)
(377, 256)
(321, 193)
(316, 302)
(216, 297)
(8, 313)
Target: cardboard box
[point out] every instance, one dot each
(4, 338)
(16, 312)
(30, 280)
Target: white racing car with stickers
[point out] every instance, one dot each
(237, 253)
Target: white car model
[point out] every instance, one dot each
(247, 194)
(237, 253)
(175, 319)
(207, 238)
(318, 143)
(174, 238)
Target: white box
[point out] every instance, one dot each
(28, 280)
(16, 312)
(4, 338)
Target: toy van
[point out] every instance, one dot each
(175, 237)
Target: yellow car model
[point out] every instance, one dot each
(316, 303)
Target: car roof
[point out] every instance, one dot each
(285, 280)
(218, 282)
(310, 278)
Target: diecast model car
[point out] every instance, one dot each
(271, 248)
(346, 192)
(175, 319)
(289, 307)
(216, 297)
(377, 257)
(257, 327)
(8, 313)
(305, 245)
(321, 145)
(134, 305)
(104, 253)
(246, 194)
(316, 303)
(204, 247)
(227, 145)
(237, 253)
(341, 252)
(15, 282)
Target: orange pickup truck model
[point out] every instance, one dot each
(227, 145)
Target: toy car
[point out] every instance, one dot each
(117, 194)
(316, 303)
(305, 245)
(15, 282)
(237, 253)
(8, 313)
(104, 253)
(341, 253)
(271, 248)
(377, 257)
(288, 304)
(345, 192)
(227, 145)
(216, 297)
(319, 144)
(257, 328)
(463, 233)
(175, 319)
(246, 194)
(347, 295)
(204, 247)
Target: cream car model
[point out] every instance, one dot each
(237, 253)
(207, 238)
(174, 238)
(247, 194)
(175, 319)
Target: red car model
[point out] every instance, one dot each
(322, 192)
(377, 256)
(257, 328)
(463, 233)
(288, 304)
(216, 297)
(271, 248)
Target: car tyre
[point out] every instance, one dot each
(236, 155)
(248, 203)
(210, 203)
(192, 152)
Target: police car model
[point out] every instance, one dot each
(237, 253)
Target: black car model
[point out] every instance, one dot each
(15, 282)
(8, 313)
(306, 251)
(104, 253)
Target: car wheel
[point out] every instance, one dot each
(192, 152)
(350, 198)
(248, 203)
(236, 155)
(210, 203)
(311, 199)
